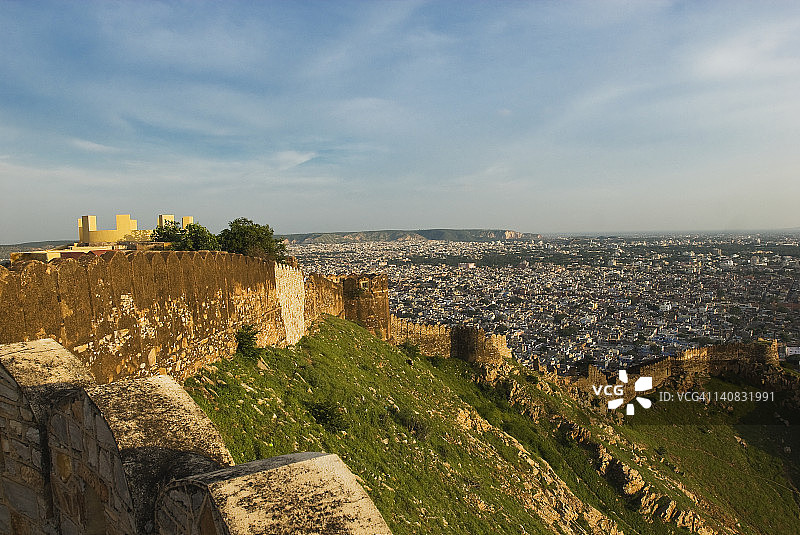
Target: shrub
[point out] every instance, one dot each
(410, 349)
(246, 340)
(412, 422)
(329, 415)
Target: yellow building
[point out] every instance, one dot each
(127, 229)
(88, 233)
(164, 218)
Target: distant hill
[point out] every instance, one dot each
(6, 250)
(467, 235)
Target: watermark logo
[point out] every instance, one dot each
(642, 384)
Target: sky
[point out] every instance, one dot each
(541, 116)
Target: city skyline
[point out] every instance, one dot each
(569, 117)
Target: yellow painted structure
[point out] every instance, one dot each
(127, 229)
(88, 233)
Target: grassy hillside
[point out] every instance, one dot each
(744, 457)
(441, 451)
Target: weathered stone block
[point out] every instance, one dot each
(75, 301)
(21, 498)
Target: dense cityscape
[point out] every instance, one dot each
(611, 301)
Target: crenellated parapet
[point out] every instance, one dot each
(146, 313)
(464, 342)
(366, 302)
(755, 362)
(139, 457)
(142, 313)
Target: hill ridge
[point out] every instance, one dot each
(467, 235)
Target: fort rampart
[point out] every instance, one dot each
(464, 342)
(102, 439)
(148, 313)
(139, 457)
(757, 363)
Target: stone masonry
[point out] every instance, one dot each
(86, 459)
(464, 342)
(296, 493)
(32, 376)
(139, 314)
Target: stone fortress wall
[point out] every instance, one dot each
(90, 436)
(366, 301)
(757, 363)
(96, 435)
(148, 313)
(138, 456)
(323, 296)
(101, 439)
(462, 341)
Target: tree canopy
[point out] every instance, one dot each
(170, 231)
(198, 238)
(192, 238)
(243, 236)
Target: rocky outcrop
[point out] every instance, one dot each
(546, 493)
(649, 501)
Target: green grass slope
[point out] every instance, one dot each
(742, 457)
(441, 451)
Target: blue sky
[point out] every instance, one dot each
(598, 116)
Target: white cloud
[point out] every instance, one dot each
(289, 159)
(771, 50)
(372, 115)
(90, 146)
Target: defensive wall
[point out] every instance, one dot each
(323, 296)
(757, 363)
(165, 312)
(366, 302)
(139, 457)
(96, 435)
(464, 342)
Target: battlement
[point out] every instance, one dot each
(464, 342)
(138, 456)
(142, 313)
(755, 362)
(366, 301)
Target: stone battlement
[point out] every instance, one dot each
(138, 314)
(464, 342)
(97, 435)
(139, 457)
(754, 362)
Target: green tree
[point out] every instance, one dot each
(197, 238)
(192, 238)
(168, 232)
(243, 236)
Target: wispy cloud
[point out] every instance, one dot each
(288, 109)
(768, 51)
(90, 146)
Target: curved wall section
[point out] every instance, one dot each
(89, 486)
(296, 493)
(32, 376)
(24, 500)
